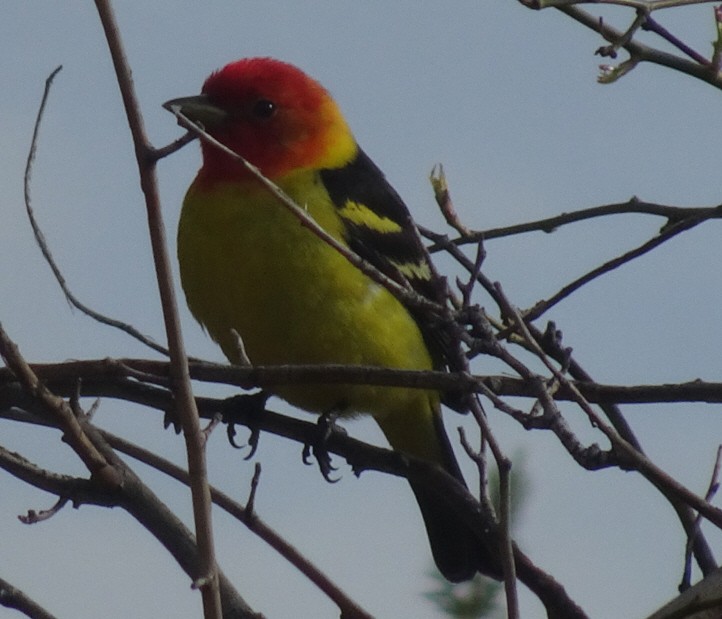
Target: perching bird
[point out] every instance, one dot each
(249, 268)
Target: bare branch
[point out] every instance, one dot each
(12, 597)
(74, 433)
(137, 499)
(185, 403)
(644, 53)
(667, 233)
(108, 377)
(251, 520)
(673, 214)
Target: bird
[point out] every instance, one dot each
(250, 270)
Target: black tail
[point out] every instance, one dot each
(459, 552)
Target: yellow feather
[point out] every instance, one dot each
(247, 265)
(361, 214)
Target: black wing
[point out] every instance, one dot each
(379, 227)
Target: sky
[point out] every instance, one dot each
(507, 99)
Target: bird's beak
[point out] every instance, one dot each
(198, 109)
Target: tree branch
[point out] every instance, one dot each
(12, 597)
(207, 579)
(252, 521)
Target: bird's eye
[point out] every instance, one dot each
(264, 108)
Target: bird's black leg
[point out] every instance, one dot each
(326, 428)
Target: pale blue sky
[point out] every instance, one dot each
(506, 99)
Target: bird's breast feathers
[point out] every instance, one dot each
(248, 266)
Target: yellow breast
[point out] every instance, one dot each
(247, 265)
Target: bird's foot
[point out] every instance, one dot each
(318, 447)
(245, 409)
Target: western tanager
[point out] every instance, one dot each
(249, 268)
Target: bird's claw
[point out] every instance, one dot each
(245, 408)
(326, 428)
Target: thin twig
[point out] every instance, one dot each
(551, 224)
(653, 25)
(506, 548)
(45, 249)
(255, 480)
(636, 458)
(551, 343)
(667, 233)
(174, 146)
(641, 52)
(611, 50)
(692, 538)
(33, 517)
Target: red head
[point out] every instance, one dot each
(273, 115)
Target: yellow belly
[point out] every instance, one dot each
(247, 265)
